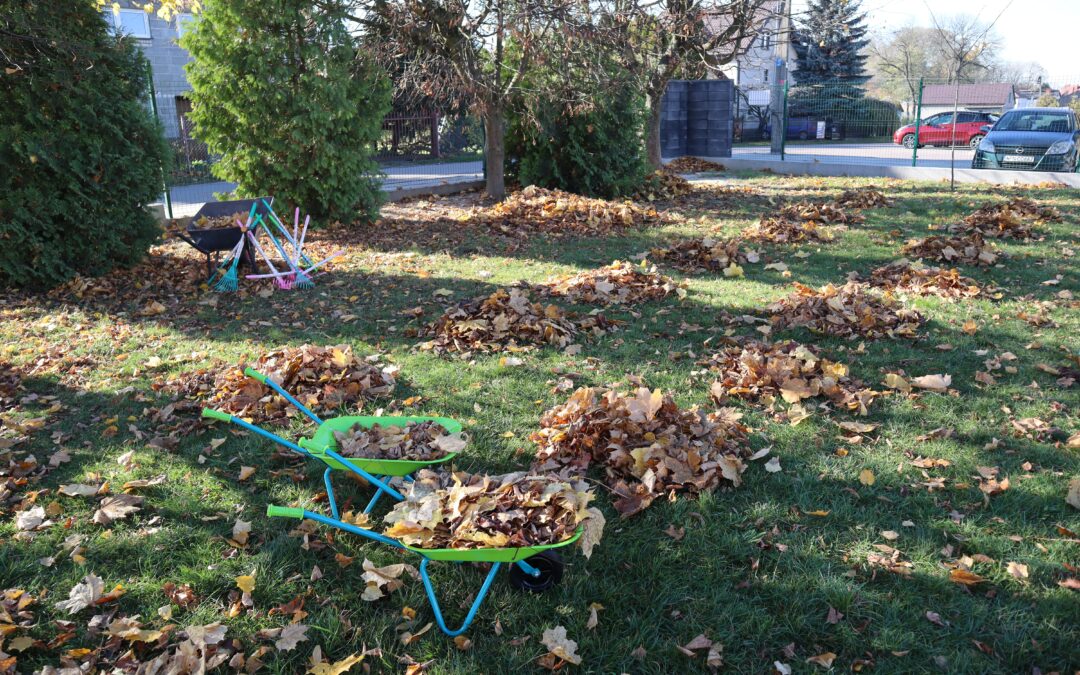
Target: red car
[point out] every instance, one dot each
(940, 130)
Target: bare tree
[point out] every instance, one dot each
(479, 50)
(657, 38)
(965, 40)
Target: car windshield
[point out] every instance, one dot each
(1035, 120)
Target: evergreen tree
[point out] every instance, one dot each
(830, 43)
(279, 92)
(80, 151)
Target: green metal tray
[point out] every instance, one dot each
(324, 440)
(506, 555)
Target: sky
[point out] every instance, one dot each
(1044, 31)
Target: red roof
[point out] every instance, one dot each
(995, 93)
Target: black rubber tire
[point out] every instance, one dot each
(550, 565)
(908, 141)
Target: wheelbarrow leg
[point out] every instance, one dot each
(330, 493)
(472, 610)
(379, 492)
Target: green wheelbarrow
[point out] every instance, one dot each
(323, 446)
(532, 568)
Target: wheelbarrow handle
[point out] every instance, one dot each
(210, 413)
(288, 512)
(256, 375)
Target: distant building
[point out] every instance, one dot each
(994, 97)
(157, 40)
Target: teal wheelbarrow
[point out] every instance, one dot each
(323, 446)
(531, 568)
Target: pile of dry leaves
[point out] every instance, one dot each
(1008, 220)
(662, 185)
(322, 378)
(819, 213)
(417, 441)
(693, 255)
(692, 165)
(620, 283)
(557, 212)
(906, 277)
(851, 310)
(504, 319)
(463, 511)
(862, 198)
(780, 230)
(759, 371)
(971, 249)
(647, 446)
(205, 223)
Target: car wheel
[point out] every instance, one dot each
(802, 136)
(908, 141)
(975, 140)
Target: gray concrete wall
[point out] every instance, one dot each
(963, 175)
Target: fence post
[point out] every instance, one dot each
(783, 130)
(153, 106)
(952, 138)
(918, 121)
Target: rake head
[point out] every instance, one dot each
(284, 283)
(228, 282)
(303, 281)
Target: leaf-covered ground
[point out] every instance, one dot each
(932, 534)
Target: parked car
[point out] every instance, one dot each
(940, 130)
(806, 128)
(1034, 139)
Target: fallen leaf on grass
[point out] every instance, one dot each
(245, 473)
(290, 636)
(1073, 496)
(337, 667)
(824, 660)
(245, 583)
(965, 577)
(773, 465)
(84, 594)
(866, 477)
(1018, 570)
(408, 637)
(117, 508)
(560, 646)
(79, 490)
(31, 519)
(381, 581)
(937, 383)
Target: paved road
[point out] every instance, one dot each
(188, 199)
(878, 154)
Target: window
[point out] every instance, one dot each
(766, 71)
(133, 22)
(182, 21)
(766, 40)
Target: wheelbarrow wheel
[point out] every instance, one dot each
(550, 565)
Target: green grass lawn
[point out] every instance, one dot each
(756, 571)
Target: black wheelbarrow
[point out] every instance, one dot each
(212, 241)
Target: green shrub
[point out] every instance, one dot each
(279, 93)
(80, 151)
(594, 149)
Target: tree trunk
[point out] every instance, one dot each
(652, 133)
(495, 151)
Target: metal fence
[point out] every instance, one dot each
(419, 149)
(938, 124)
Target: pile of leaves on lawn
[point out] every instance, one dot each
(463, 511)
(970, 249)
(662, 185)
(862, 198)
(322, 378)
(535, 209)
(1014, 219)
(620, 283)
(162, 283)
(692, 165)
(852, 310)
(416, 441)
(904, 276)
(206, 223)
(708, 254)
(781, 230)
(645, 444)
(762, 372)
(506, 319)
(819, 212)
